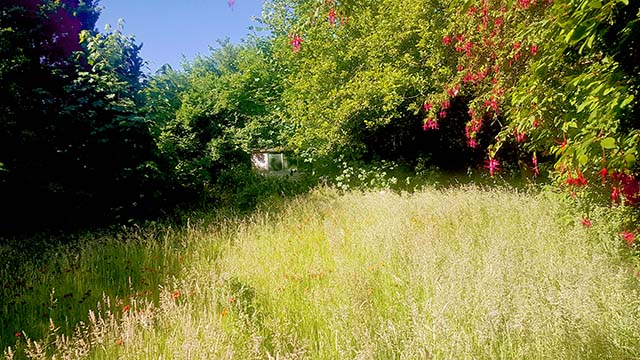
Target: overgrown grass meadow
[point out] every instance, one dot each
(459, 273)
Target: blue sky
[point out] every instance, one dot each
(170, 29)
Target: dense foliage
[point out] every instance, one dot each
(72, 143)
(544, 86)
(543, 81)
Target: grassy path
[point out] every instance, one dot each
(462, 274)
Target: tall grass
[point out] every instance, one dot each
(460, 273)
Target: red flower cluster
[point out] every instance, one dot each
(332, 16)
(296, 42)
(534, 161)
(578, 180)
(430, 125)
(628, 185)
(493, 165)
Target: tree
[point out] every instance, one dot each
(358, 75)
(222, 111)
(70, 137)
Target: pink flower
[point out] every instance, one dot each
(453, 91)
(427, 107)
(468, 47)
(296, 42)
(446, 104)
(586, 222)
(524, 3)
(492, 103)
(628, 185)
(536, 123)
(460, 68)
(614, 194)
(332, 16)
(442, 114)
(534, 49)
(430, 125)
(446, 40)
(498, 22)
(231, 3)
(472, 143)
(493, 165)
(534, 161)
(628, 236)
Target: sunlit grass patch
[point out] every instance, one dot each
(458, 273)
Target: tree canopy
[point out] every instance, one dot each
(85, 134)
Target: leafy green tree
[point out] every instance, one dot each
(557, 79)
(359, 73)
(562, 89)
(70, 138)
(224, 110)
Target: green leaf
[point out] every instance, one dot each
(595, 4)
(627, 101)
(630, 159)
(583, 159)
(608, 143)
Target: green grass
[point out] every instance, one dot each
(460, 273)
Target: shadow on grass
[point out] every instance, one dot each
(59, 278)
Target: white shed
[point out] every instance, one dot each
(272, 162)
